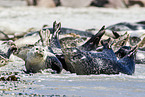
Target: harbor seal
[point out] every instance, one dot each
(38, 58)
(90, 45)
(105, 62)
(4, 57)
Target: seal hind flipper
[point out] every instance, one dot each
(54, 42)
(133, 51)
(115, 34)
(44, 37)
(123, 51)
(93, 42)
(126, 64)
(105, 43)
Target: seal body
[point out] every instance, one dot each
(39, 58)
(105, 62)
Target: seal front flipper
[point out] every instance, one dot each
(54, 63)
(93, 42)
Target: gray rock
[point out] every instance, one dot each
(75, 3)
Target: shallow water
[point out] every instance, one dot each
(19, 19)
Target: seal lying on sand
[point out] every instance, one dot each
(3, 36)
(38, 58)
(105, 62)
(135, 29)
(41, 56)
(126, 26)
(4, 57)
(91, 44)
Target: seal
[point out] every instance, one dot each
(4, 57)
(68, 42)
(38, 58)
(87, 62)
(42, 57)
(126, 26)
(90, 45)
(3, 36)
(135, 29)
(140, 55)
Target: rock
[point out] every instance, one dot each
(141, 3)
(75, 3)
(99, 3)
(116, 4)
(45, 3)
(31, 2)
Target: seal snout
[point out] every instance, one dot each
(39, 51)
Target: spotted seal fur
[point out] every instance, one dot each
(105, 62)
(91, 44)
(4, 57)
(39, 59)
(41, 56)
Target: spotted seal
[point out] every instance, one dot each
(4, 57)
(3, 36)
(135, 29)
(41, 56)
(105, 62)
(90, 45)
(38, 58)
(126, 26)
(140, 55)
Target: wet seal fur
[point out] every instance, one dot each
(83, 62)
(4, 57)
(90, 45)
(40, 56)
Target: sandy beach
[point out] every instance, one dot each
(19, 19)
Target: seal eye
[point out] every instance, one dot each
(2, 61)
(43, 49)
(36, 48)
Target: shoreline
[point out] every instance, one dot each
(20, 19)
